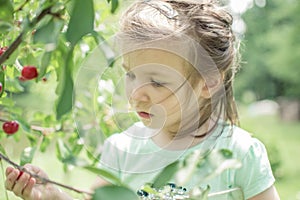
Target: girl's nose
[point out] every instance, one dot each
(140, 94)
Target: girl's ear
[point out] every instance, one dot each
(211, 86)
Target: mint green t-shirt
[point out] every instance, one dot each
(136, 159)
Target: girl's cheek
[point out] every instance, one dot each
(128, 90)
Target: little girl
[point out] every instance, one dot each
(180, 58)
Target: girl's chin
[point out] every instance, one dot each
(157, 123)
(150, 123)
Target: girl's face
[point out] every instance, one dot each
(157, 87)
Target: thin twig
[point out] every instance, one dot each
(19, 39)
(224, 192)
(44, 130)
(11, 48)
(42, 179)
(21, 6)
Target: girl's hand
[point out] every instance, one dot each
(27, 187)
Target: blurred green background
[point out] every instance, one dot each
(266, 88)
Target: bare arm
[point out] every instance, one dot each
(269, 194)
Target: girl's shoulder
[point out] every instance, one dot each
(252, 154)
(239, 141)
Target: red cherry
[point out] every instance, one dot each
(2, 50)
(29, 72)
(1, 87)
(10, 127)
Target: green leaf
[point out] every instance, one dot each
(77, 148)
(226, 153)
(91, 155)
(13, 86)
(25, 126)
(72, 160)
(81, 21)
(48, 34)
(6, 11)
(114, 5)
(57, 7)
(32, 139)
(44, 64)
(5, 26)
(105, 174)
(65, 88)
(27, 155)
(164, 176)
(112, 192)
(46, 142)
(2, 82)
(2, 150)
(106, 49)
(8, 102)
(62, 150)
(12, 58)
(6, 15)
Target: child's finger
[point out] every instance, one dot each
(12, 176)
(8, 170)
(20, 184)
(28, 188)
(36, 170)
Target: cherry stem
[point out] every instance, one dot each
(44, 130)
(42, 179)
(3, 120)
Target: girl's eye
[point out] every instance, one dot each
(130, 75)
(156, 83)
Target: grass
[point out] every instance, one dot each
(282, 141)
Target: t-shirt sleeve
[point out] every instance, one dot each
(255, 175)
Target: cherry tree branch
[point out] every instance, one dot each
(42, 179)
(22, 6)
(15, 44)
(11, 48)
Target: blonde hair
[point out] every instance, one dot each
(206, 22)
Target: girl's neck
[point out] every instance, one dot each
(170, 141)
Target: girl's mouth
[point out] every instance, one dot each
(145, 115)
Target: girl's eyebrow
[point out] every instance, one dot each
(127, 68)
(149, 73)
